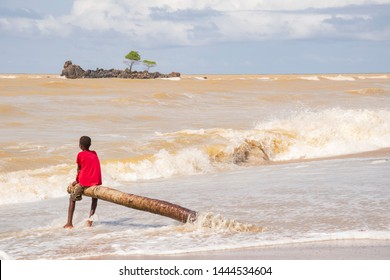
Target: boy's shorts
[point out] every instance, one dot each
(76, 194)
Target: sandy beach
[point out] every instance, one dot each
(327, 250)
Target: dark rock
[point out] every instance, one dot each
(174, 74)
(72, 71)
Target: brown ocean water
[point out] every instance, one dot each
(304, 157)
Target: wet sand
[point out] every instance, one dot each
(327, 250)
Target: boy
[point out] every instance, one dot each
(88, 174)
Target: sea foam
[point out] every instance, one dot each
(310, 78)
(34, 185)
(339, 78)
(326, 133)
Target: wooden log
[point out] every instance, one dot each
(155, 206)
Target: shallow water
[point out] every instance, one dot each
(261, 158)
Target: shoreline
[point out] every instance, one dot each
(319, 250)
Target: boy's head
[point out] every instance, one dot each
(85, 142)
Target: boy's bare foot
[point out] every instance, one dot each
(89, 223)
(68, 226)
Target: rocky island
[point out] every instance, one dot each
(73, 71)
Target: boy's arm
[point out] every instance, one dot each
(77, 176)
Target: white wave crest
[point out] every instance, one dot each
(162, 165)
(310, 78)
(326, 133)
(171, 79)
(302, 135)
(339, 78)
(34, 185)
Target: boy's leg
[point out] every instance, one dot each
(75, 195)
(72, 206)
(93, 209)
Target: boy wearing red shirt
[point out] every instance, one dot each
(88, 175)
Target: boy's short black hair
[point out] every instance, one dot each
(85, 141)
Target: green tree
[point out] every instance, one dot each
(149, 64)
(132, 57)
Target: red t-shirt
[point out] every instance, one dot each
(90, 173)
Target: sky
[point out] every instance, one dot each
(197, 36)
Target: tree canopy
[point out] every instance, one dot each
(133, 57)
(149, 64)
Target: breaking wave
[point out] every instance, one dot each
(304, 135)
(339, 78)
(219, 223)
(301, 136)
(7, 77)
(34, 185)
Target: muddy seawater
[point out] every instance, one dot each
(264, 160)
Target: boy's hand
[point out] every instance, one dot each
(74, 183)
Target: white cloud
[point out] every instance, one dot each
(177, 22)
(234, 5)
(32, 27)
(253, 26)
(288, 5)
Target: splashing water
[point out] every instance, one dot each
(218, 223)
